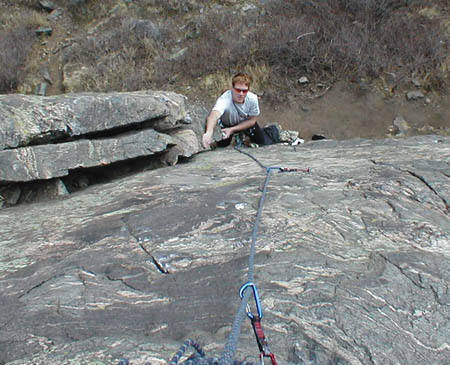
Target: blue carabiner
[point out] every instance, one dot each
(256, 296)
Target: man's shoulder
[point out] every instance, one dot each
(223, 102)
(252, 96)
(226, 95)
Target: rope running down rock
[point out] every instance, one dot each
(198, 358)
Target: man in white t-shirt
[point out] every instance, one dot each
(235, 110)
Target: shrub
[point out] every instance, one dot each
(280, 41)
(325, 40)
(26, 3)
(212, 46)
(354, 36)
(119, 60)
(84, 12)
(15, 44)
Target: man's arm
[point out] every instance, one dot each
(211, 122)
(250, 122)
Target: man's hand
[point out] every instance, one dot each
(207, 139)
(226, 133)
(211, 122)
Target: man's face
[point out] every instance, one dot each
(239, 92)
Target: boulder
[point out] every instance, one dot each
(29, 119)
(400, 126)
(186, 145)
(414, 95)
(55, 14)
(44, 31)
(303, 80)
(47, 137)
(47, 5)
(352, 259)
(56, 160)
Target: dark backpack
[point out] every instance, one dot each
(271, 134)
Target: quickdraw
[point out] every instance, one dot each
(263, 345)
(264, 349)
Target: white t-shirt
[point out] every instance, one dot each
(234, 113)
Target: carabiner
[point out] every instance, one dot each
(255, 295)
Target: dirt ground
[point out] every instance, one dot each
(344, 112)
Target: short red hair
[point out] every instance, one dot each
(241, 78)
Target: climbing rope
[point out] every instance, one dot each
(231, 345)
(199, 357)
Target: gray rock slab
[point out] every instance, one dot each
(32, 119)
(414, 95)
(187, 145)
(47, 5)
(352, 259)
(55, 160)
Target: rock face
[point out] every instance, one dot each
(352, 261)
(55, 160)
(45, 138)
(28, 119)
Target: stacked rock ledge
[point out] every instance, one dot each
(46, 138)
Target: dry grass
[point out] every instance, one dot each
(104, 76)
(17, 36)
(15, 17)
(26, 3)
(83, 13)
(119, 60)
(326, 41)
(351, 39)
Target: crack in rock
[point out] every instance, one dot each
(158, 265)
(428, 185)
(123, 282)
(419, 283)
(420, 178)
(39, 285)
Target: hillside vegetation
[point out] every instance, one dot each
(193, 46)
